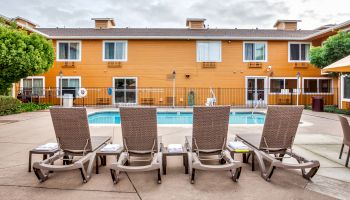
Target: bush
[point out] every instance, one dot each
(332, 109)
(8, 105)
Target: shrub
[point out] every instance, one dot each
(8, 105)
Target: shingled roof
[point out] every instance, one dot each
(175, 33)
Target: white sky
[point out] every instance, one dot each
(173, 13)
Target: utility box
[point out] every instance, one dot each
(68, 100)
(317, 104)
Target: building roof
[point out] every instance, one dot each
(175, 33)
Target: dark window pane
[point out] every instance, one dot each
(276, 85)
(74, 51)
(249, 51)
(120, 83)
(310, 85)
(325, 85)
(109, 50)
(291, 84)
(130, 84)
(119, 97)
(130, 97)
(294, 52)
(346, 88)
(63, 51)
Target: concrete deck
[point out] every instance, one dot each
(319, 138)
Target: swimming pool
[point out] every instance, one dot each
(109, 117)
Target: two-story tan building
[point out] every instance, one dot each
(156, 66)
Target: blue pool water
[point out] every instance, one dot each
(178, 118)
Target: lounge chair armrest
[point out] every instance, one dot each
(188, 143)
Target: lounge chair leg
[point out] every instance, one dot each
(269, 173)
(39, 174)
(341, 151)
(237, 174)
(347, 159)
(82, 172)
(311, 173)
(192, 175)
(115, 177)
(159, 177)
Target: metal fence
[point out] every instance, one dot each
(177, 97)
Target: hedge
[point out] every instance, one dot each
(10, 105)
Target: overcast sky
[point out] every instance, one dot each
(173, 13)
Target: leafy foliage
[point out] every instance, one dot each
(334, 48)
(10, 105)
(22, 55)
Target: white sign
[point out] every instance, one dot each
(82, 92)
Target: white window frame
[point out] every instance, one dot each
(206, 41)
(66, 77)
(115, 41)
(284, 84)
(256, 42)
(318, 85)
(289, 51)
(34, 77)
(114, 89)
(342, 88)
(68, 41)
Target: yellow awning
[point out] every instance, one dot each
(342, 65)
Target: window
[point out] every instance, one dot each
(255, 51)
(115, 50)
(208, 51)
(317, 85)
(299, 52)
(125, 90)
(70, 85)
(346, 87)
(68, 51)
(33, 86)
(278, 85)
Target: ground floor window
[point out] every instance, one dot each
(346, 87)
(282, 85)
(317, 85)
(125, 90)
(33, 86)
(70, 85)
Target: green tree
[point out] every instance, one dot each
(22, 54)
(333, 49)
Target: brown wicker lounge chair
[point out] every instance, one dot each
(276, 141)
(346, 140)
(210, 126)
(139, 130)
(73, 136)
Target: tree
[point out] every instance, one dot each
(22, 54)
(333, 49)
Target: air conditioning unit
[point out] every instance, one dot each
(255, 64)
(301, 65)
(114, 64)
(69, 64)
(208, 64)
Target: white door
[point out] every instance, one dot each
(256, 91)
(125, 90)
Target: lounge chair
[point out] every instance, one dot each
(139, 131)
(208, 143)
(346, 140)
(73, 136)
(276, 141)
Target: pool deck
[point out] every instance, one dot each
(319, 138)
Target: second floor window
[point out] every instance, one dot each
(299, 52)
(208, 51)
(254, 51)
(68, 51)
(115, 50)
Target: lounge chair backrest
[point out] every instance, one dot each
(139, 128)
(280, 126)
(71, 128)
(346, 129)
(210, 126)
